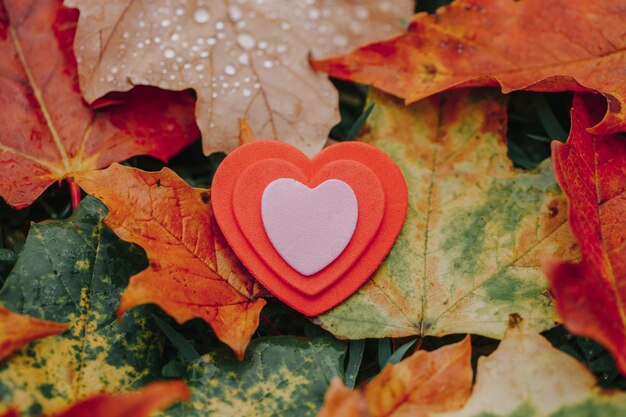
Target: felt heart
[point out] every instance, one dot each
(309, 227)
(381, 197)
(256, 177)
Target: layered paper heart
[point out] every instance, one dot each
(310, 231)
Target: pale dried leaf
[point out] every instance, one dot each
(246, 59)
(528, 377)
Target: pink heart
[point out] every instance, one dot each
(309, 228)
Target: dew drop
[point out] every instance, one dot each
(281, 49)
(340, 40)
(246, 92)
(230, 70)
(169, 53)
(180, 11)
(175, 37)
(246, 41)
(244, 59)
(313, 13)
(220, 25)
(235, 13)
(201, 15)
(114, 70)
(268, 64)
(361, 12)
(166, 23)
(285, 26)
(384, 7)
(199, 67)
(355, 27)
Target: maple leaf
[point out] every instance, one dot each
(422, 384)
(281, 376)
(48, 130)
(192, 272)
(476, 228)
(528, 377)
(141, 403)
(519, 45)
(590, 295)
(17, 330)
(74, 271)
(245, 59)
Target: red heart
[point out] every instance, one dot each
(382, 199)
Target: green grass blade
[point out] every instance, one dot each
(187, 352)
(548, 119)
(384, 352)
(401, 351)
(358, 125)
(357, 349)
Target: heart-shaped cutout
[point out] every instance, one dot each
(381, 194)
(249, 188)
(309, 227)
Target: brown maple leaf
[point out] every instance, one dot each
(245, 59)
(48, 130)
(16, 331)
(535, 45)
(192, 271)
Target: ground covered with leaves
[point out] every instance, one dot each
(503, 296)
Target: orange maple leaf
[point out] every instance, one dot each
(48, 130)
(591, 295)
(422, 384)
(535, 45)
(16, 331)
(142, 403)
(193, 273)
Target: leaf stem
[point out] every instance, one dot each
(75, 192)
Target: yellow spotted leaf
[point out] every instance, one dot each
(73, 271)
(281, 376)
(470, 251)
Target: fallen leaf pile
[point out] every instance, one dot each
(132, 303)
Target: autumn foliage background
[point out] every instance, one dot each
(503, 295)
